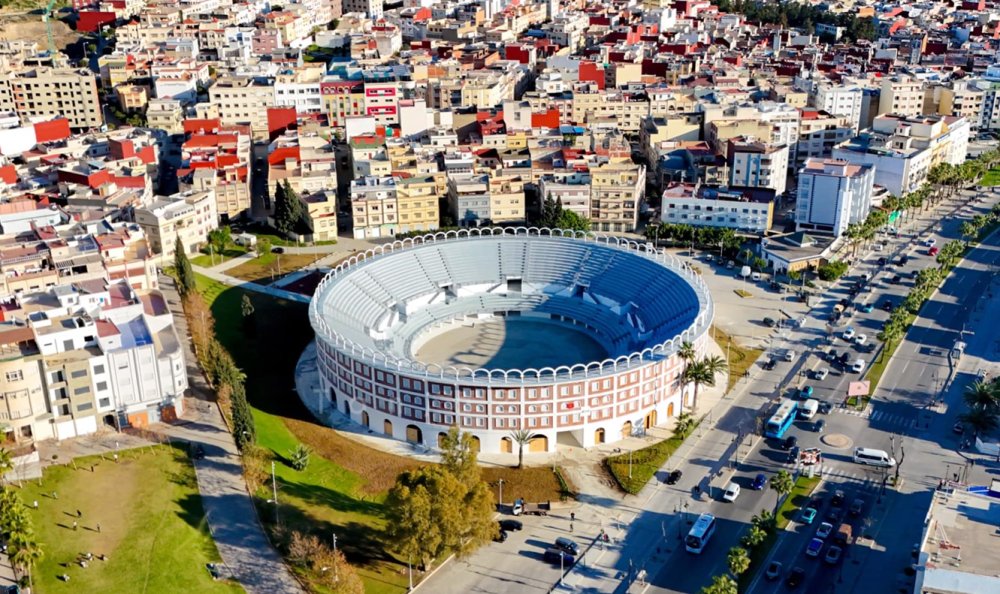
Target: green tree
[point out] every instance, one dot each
(832, 270)
(263, 245)
(754, 536)
(6, 463)
(182, 267)
(782, 484)
(698, 374)
(458, 455)
(551, 212)
(299, 457)
(24, 552)
(684, 424)
(738, 561)
(983, 395)
(571, 220)
(246, 306)
(220, 239)
(244, 428)
(721, 584)
(521, 437)
(287, 209)
(981, 420)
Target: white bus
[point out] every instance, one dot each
(700, 533)
(873, 457)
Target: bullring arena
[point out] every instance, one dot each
(571, 337)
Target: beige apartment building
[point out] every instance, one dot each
(616, 191)
(189, 216)
(321, 207)
(374, 207)
(21, 397)
(49, 92)
(901, 96)
(243, 100)
(593, 106)
(418, 202)
(165, 114)
(506, 197)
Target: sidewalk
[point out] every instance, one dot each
(232, 518)
(225, 279)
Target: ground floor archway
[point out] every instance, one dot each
(506, 445)
(670, 410)
(387, 427)
(599, 436)
(475, 444)
(650, 420)
(333, 397)
(364, 418)
(627, 430)
(441, 438)
(414, 434)
(347, 408)
(538, 443)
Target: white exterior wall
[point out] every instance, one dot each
(134, 373)
(840, 100)
(750, 216)
(832, 201)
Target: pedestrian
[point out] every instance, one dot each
(34, 504)
(79, 514)
(55, 495)
(572, 516)
(98, 528)
(74, 525)
(571, 526)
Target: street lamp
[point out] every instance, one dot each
(500, 495)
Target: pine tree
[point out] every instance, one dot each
(244, 429)
(182, 266)
(283, 220)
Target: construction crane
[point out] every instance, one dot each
(47, 19)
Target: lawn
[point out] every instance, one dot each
(152, 526)
(740, 358)
(789, 510)
(207, 260)
(992, 178)
(643, 463)
(267, 268)
(342, 490)
(262, 231)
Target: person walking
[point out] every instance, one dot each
(75, 526)
(98, 528)
(79, 514)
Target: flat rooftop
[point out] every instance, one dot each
(960, 544)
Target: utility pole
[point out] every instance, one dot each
(500, 495)
(336, 578)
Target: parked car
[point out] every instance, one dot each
(673, 476)
(819, 425)
(795, 577)
(825, 408)
(790, 355)
(833, 555)
(808, 515)
(769, 322)
(958, 428)
(861, 339)
(759, 482)
(858, 366)
(770, 364)
(933, 251)
(896, 279)
(564, 544)
(790, 442)
(824, 530)
(805, 392)
(277, 250)
(834, 515)
(732, 492)
(820, 374)
(867, 308)
(511, 525)
(882, 261)
(838, 498)
(773, 571)
(857, 506)
(887, 306)
(814, 547)
(501, 536)
(930, 241)
(849, 333)
(553, 555)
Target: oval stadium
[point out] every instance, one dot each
(571, 337)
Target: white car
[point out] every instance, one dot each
(858, 366)
(849, 333)
(732, 492)
(861, 338)
(821, 374)
(930, 241)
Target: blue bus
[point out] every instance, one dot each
(781, 420)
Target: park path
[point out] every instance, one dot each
(232, 518)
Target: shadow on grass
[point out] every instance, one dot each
(323, 496)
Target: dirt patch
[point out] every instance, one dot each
(15, 26)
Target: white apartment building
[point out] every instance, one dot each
(755, 164)
(819, 132)
(689, 204)
(571, 189)
(189, 216)
(843, 100)
(374, 211)
(373, 9)
(833, 194)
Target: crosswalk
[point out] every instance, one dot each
(881, 417)
(859, 477)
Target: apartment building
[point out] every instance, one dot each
(616, 192)
(165, 114)
(243, 100)
(571, 189)
(469, 198)
(839, 99)
(506, 191)
(218, 161)
(321, 206)
(188, 216)
(702, 206)
(966, 99)
(772, 123)
(374, 210)
(594, 106)
(418, 200)
(45, 93)
(754, 164)
(819, 132)
(305, 159)
(833, 194)
(373, 9)
(901, 95)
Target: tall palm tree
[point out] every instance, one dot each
(738, 561)
(982, 395)
(721, 584)
(688, 355)
(698, 374)
(521, 437)
(25, 552)
(981, 420)
(684, 423)
(782, 485)
(754, 536)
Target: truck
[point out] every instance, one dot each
(844, 534)
(531, 509)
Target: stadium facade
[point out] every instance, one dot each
(377, 311)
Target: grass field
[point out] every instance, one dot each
(740, 358)
(207, 261)
(268, 268)
(789, 510)
(153, 528)
(992, 178)
(643, 463)
(342, 489)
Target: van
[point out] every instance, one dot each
(789, 355)
(873, 457)
(844, 534)
(808, 409)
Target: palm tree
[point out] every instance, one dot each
(982, 395)
(687, 354)
(738, 561)
(698, 374)
(684, 424)
(25, 553)
(754, 536)
(981, 420)
(763, 520)
(521, 437)
(782, 485)
(721, 584)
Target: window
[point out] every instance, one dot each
(85, 406)
(104, 402)
(14, 376)
(81, 390)
(101, 386)
(78, 373)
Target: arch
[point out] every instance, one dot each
(627, 430)
(441, 437)
(347, 408)
(333, 397)
(387, 427)
(475, 444)
(650, 419)
(414, 434)
(364, 418)
(538, 443)
(599, 437)
(670, 410)
(506, 445)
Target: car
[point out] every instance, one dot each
(867, 308)
(825, 408)
(769, 322)
(790, 442)
(501, 536)
(773, 571)
(199, 452)
(732, 492)
(824, 530)
(838, 498)
(833, 555)
(882, 261)
(808, 515)
(844, 358)
(755, 277)
(820, 374)
(887, 306)
(819, 425)
(795, 577)
(759, 482)
(849, 333)
(930, 241)
(277, 250)
(673, 476)
(857, 507)
(569, 546)
(554, 555)
(858, 366)
(933, 251)
(896, 279)
(814, 547)
(793, 454)
(511, 525)
(790, 355)
(834, 515)
(805, 392)
(770, 364)
(861, 339)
